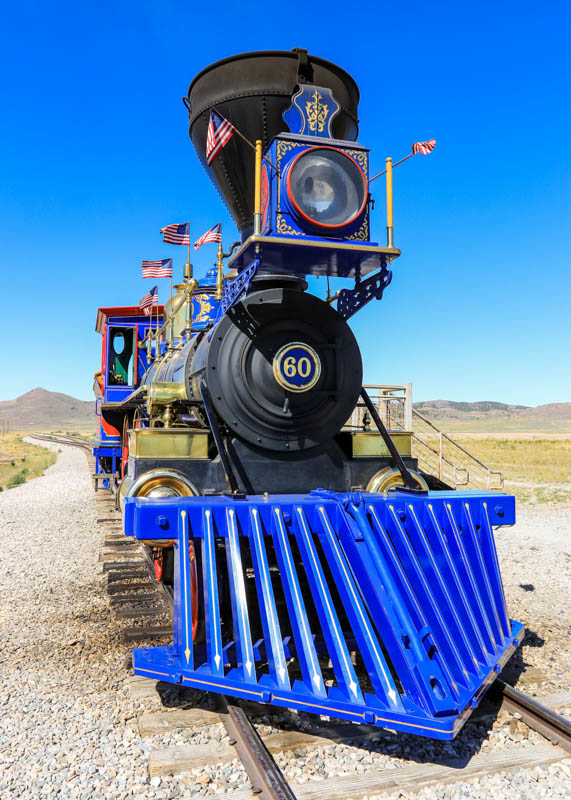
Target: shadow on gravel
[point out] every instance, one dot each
(517, 665)
(368, 739)
(365, 738)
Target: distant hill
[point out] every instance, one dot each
(449, 409)
(550, 411)
(487, 411)
(43, 410)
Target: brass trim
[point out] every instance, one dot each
(393, 252)
(389, 477)
(367, 444)
(160, 477)
(168, 443)
(163, 393)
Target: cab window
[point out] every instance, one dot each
(120, 356)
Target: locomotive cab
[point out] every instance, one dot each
(123, 363)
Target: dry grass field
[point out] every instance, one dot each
(536, 470)
(20, 461)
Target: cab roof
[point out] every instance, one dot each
(120, 312)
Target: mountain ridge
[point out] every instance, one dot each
(41, 409)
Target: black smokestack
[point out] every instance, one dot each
(252, 90)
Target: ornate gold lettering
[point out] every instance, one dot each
(317, 112)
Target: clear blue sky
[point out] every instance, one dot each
(95, 158)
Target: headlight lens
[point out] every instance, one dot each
(327, 187)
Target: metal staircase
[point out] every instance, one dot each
(439, 455)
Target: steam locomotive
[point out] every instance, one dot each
(311, 564)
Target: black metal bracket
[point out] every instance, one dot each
(210, 415)
(410, 484)
(352, 300)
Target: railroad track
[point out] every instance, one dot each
(130, 576)
(134, 595)
(69, 440)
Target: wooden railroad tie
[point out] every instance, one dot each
(139, 573)
(118, 587)
(138, 634)
(177, 759)
(116, 565)
(121, 599)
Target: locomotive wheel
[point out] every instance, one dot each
(390, 478)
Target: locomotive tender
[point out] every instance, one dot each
(311, 565)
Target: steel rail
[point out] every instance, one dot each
(555, 728)
(265, 776)
(269, 782)
(69, 440)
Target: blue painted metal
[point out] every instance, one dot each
(312, 110)
(205, 306)
(391, 607)
(233, 290)
(282, 218)
(352, 300)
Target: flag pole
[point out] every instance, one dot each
(255, 148)
(149, 332)
(157, 334)
(378, 175)
(219, 270)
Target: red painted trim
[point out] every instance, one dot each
(136, 354)
(104, 355)
(265, 192)
(109, 429)
(121, 311)
(302, 213)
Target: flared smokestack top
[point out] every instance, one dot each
(252, 90)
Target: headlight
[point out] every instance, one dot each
(326, 187)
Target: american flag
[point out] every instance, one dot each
(219, 134)
(158, 269)
(177, 233)
(213, 235)
(424, 147)
(146, 302)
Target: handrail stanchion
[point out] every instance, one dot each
(390, 229)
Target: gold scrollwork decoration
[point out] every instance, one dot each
(363, 233)
(283, 227)
(205, 307)
(360, 157)
(317, 112)
(283, 148)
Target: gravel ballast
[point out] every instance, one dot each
(68, 727)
